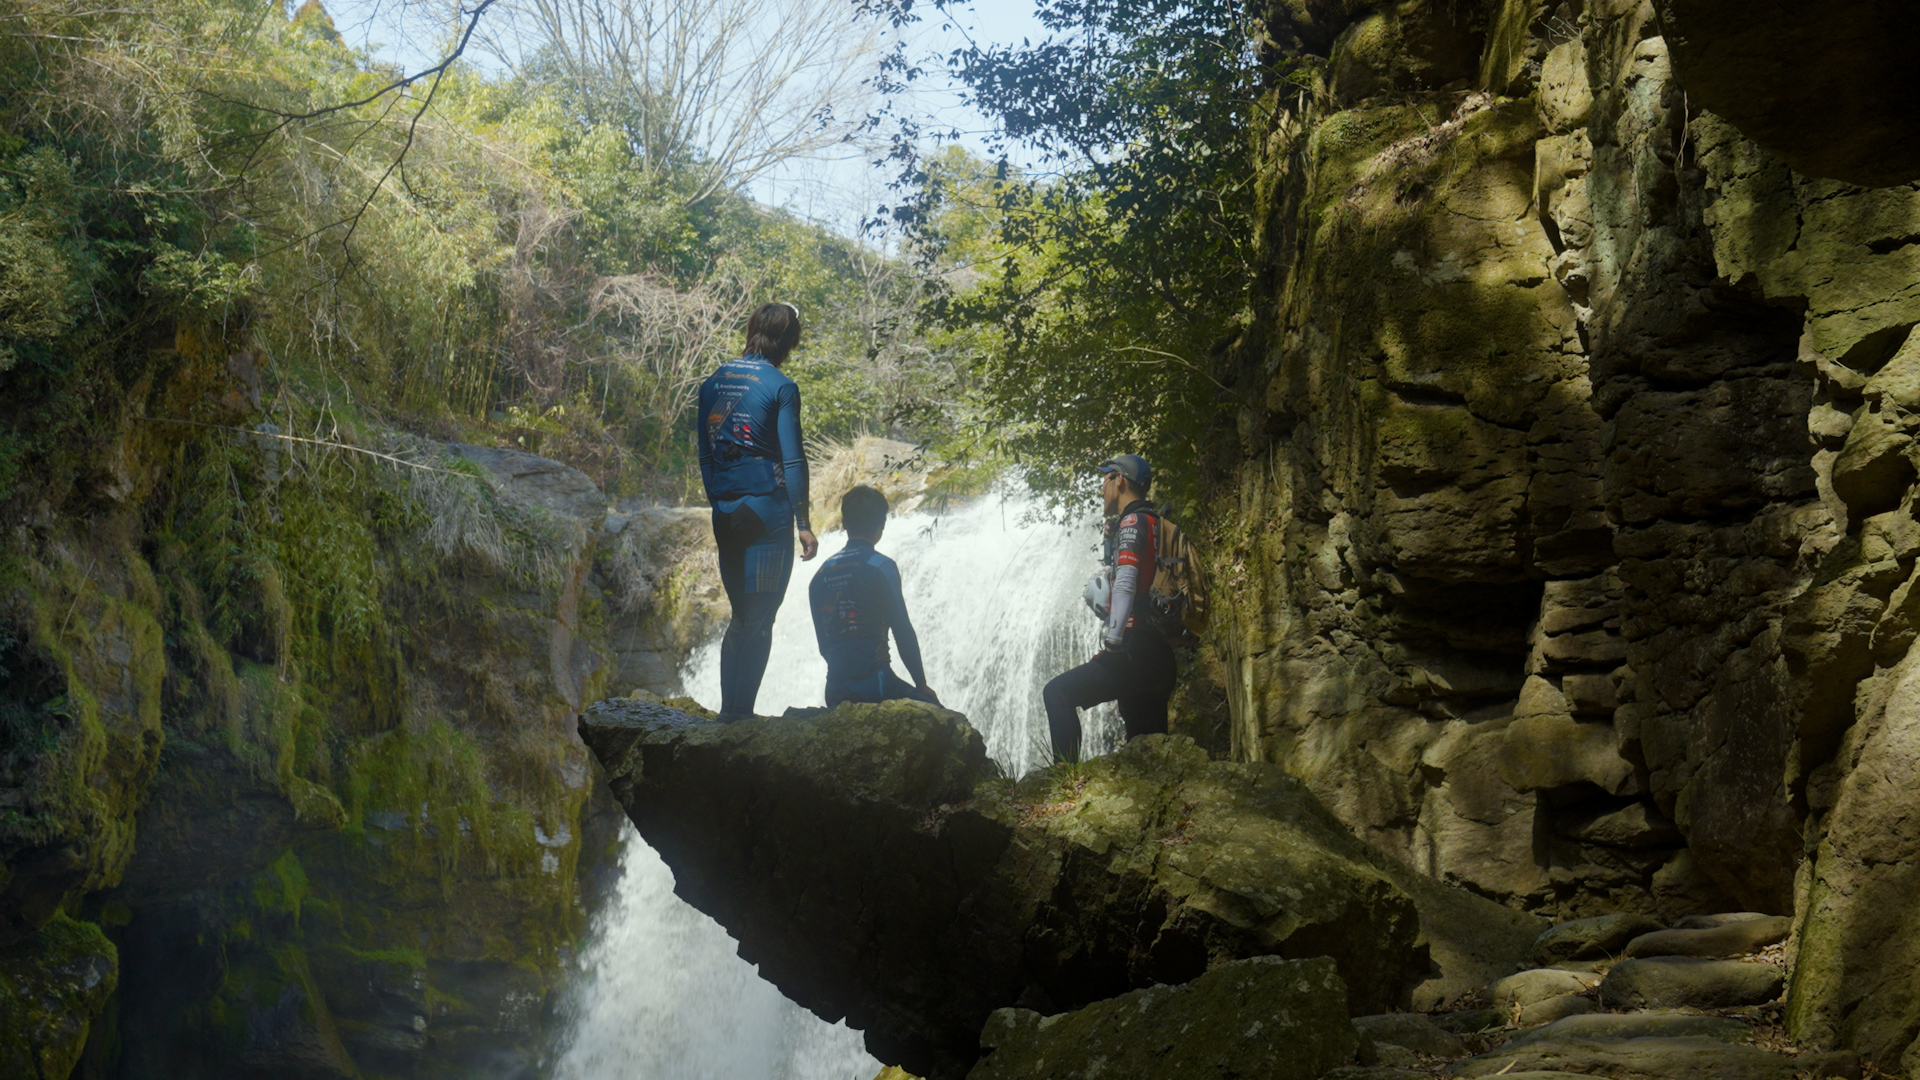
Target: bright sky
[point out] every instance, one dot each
(841, 192)
(838, 190)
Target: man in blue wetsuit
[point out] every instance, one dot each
(1135, 666)
(755, 472)
(856, 600)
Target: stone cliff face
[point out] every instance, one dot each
(312, 807)
(1574, 494)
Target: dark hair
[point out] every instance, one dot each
(773, 331)
(863, 510)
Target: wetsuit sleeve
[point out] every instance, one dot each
(700, 433)
(1129, 553)
(903, 634)
(793, 456)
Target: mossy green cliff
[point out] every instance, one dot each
(288, 748)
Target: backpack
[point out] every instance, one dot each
(1177, 604)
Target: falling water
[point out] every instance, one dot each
(995, 599)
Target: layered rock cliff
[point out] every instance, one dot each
(1572, 513)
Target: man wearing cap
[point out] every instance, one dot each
(1135, 666)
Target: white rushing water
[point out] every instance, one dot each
(996, 602)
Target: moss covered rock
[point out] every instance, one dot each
(875, 866)
(53, 983)
(1266, 1017)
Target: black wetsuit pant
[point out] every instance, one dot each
(1139, 676)
(881, 684)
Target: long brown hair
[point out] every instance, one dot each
(773, 331)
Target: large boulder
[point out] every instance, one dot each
(1742, 938)
(1687, 982)
(53, 982)
(875, 866)
(1856, 979)
(1591, 938)
(1266, 1017)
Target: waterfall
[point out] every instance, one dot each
(995, 598)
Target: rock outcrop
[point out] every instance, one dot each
(53, 982)
(873, 864)
(1827, 89)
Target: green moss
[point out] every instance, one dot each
(409, 958)
(94, 639)
(282, 887)
(53, 984)
(256, 980)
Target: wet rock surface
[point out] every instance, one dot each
(874, 866)
(383, 902)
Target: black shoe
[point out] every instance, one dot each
(733, 718)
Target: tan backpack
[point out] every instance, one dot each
(1179, 598)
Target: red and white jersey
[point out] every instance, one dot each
(1132, 545)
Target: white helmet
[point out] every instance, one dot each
(1099, 591)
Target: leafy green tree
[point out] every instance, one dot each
(1112, 275)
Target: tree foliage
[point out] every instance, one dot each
(1108, 278)
(494, 258)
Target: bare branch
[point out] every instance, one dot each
(723, 89)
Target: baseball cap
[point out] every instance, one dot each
(1132, 466)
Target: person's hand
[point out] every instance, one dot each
(927, 690)
(809, 547)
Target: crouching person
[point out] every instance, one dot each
(856, 601)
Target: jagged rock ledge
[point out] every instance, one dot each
(875, 865)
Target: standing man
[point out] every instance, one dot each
(856, 600)
(1135, 665)
(755, 472)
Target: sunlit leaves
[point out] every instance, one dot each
(1114, 274)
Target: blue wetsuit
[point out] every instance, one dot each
(755, 472)
(856, 600)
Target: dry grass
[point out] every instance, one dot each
(1416, 152)
(467, 513)
(899, 470)
(1065, 796)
